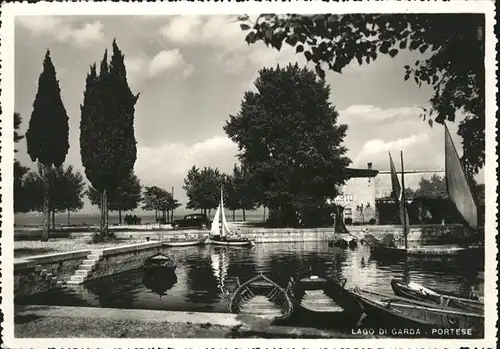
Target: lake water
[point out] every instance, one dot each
(205, 275)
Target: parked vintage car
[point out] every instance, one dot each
(197, 220)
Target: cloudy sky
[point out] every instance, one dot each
(192, 72)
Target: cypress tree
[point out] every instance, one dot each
(47, 135)
(107, 141)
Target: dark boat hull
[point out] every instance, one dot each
(159, 262)
(241, 243)
(421, 293)
(405, 313)
(322, 295)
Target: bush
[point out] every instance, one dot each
(348, 221)
(132, 220)
(372, 221)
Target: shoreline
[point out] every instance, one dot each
(66, 322)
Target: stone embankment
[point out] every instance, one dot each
(425, 233)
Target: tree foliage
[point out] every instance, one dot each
(66, 190)
(125, 197)
(452, 63)
(290, 143)
(159, 200)
(48, 130)
(203, 188)
(107, 141)
(434, 187)
(20, 201)
(47, 135)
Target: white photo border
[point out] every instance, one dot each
(11, 10)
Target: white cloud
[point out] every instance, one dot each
(141, 66)
(166, 60)
(171, 161)
(62, 29)
(224, 35)
(370, 113)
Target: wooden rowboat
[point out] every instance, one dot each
(416, 314)
(261, 296)
(309, 293)
(418, 292)
(159, 262)
(184, 242)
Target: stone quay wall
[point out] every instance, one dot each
(41, 273)
(119, 259)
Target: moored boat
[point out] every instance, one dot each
(159, 262)
(183, 242)
(415, 314)
(418, 292)
(220, 234)
(309, 294)
(229, 241)
(261, 296)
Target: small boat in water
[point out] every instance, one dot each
(309, 293)
(261, 296)
(415, 314)
(220, 234)
(418, 292)
(184, 242)
(159, 262)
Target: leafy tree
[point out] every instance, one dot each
(20, 203)
(159, 200)
(47, 136)
(66, 190)
(125, 197)
(203, 188)
(231, 192)
(453, 64)
(435, 187)
(247, 193)
(290, 143)
(107, 141)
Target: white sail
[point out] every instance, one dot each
(456, 182)
(215, 223)
(225, 228)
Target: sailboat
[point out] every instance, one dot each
(378, 247)
(220, 234)
(458, 187)
(460, 193)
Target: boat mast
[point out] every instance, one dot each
(403, 202)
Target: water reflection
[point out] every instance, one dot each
(204, 276)
(159, 283)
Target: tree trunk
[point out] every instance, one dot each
(264, 213)
(53, 220)
(101, 222)
(105, 213)
(69, 221)
(234, 211)
(156, 215)
(244, 216)
(172, 216)
(120, 216)
(46, 212)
